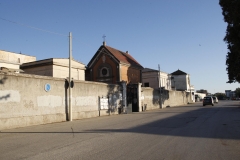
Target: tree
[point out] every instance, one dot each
(202, 91)
(220, 96)
(231, 14)
(237, 92)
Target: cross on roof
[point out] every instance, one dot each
(104, 37)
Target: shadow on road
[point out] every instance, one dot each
(202, 123)
(207, 122)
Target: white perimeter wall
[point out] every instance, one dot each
(24, 101)
(151, 98)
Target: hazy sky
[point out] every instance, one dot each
(177, 34)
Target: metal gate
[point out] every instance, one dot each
(132, 96)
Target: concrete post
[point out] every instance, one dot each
(139, 95)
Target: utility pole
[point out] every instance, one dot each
(159, 85)
(70, 76)
(190, 88)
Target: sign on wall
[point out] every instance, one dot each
(103, 103)
(47, 87)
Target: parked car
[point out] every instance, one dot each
(215, 99)
(208, 101)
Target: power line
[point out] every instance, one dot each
(43, 30)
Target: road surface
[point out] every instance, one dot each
(190, 132)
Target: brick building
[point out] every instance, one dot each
(110, 65)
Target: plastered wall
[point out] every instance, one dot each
(25, 101)
(32, 100)
(15, 57)
(151, 98)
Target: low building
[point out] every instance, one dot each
(230, 94)
(55, 67)
(150, 78)
(10, 61)
(181, 82)
(199, 96)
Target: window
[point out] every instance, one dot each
(104, 71)
(146, 84)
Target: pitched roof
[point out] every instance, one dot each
(178, 72)
(149, 70)
(121, 57)
(152, 70)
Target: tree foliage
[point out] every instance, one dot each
(237, 92)
(220, 96)
(231, 14)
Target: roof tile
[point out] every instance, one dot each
(123, 56)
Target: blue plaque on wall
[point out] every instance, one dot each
(47, 87)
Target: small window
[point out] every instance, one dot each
(146, 84)
(104, 71)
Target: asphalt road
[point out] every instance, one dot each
(191, 132)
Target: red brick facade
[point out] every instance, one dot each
(109, 65)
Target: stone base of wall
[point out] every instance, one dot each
(91, 114)
(17, 122)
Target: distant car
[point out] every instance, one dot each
(215, 99)
(208, 101)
